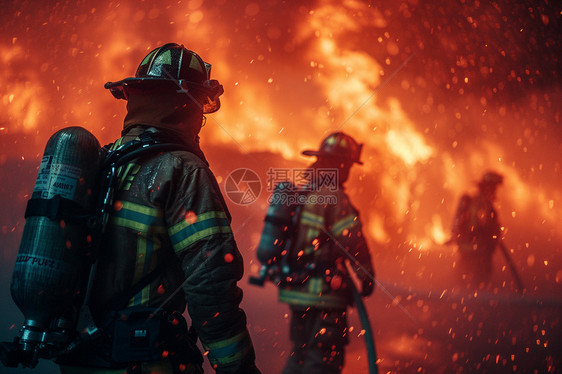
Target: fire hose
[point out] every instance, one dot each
(508, 260)
(369, 338)
(511, 266)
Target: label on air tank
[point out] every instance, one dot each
(56, 179)
(43, 262)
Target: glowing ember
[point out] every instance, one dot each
(190, 217)
(118, 205)
(228, 258)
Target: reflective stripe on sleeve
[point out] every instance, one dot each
(185, 233)
(312, 219)
(229, 350)
(343, 224)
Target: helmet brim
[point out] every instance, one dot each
(117, 89)
(326, 154)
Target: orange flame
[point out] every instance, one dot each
(288, 83)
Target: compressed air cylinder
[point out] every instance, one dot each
(51, 262)
(277, 229)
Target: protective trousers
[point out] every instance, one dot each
(319, 337)
(161, 367)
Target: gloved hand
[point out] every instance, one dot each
(367, 287)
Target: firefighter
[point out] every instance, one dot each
(317, 287)
(168, 217)
(477, 231)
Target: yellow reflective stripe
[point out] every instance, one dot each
(312, 296)
(145, 295)
(134, 225)
(312, 219)
(201, 217)
(345, 223)
(117, 143)
(230, 359)
(203, 234)
(141, 258)
(145, 255)
(138, 217)
(300, 298)
(185, 233)
(121, 172)
(315, 285)
(148, 222)
(229, 350)
(127, 176)
(139, 270)
(147, 247)
(226, 342)
(155, 212)
(311, 234)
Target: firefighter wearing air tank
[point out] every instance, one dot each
(314, 279)
(168, 216)
(477, 231)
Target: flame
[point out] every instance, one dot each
(377, 231)
(21, 96)
(289, 81)
(350, 79)
(437, 231)
(408, 145)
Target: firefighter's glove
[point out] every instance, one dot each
(367, 287)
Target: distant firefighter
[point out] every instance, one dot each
(308, 241)
(477, 230)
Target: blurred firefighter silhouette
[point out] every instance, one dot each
(477, 231)
(302, 249)
(168, 240)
